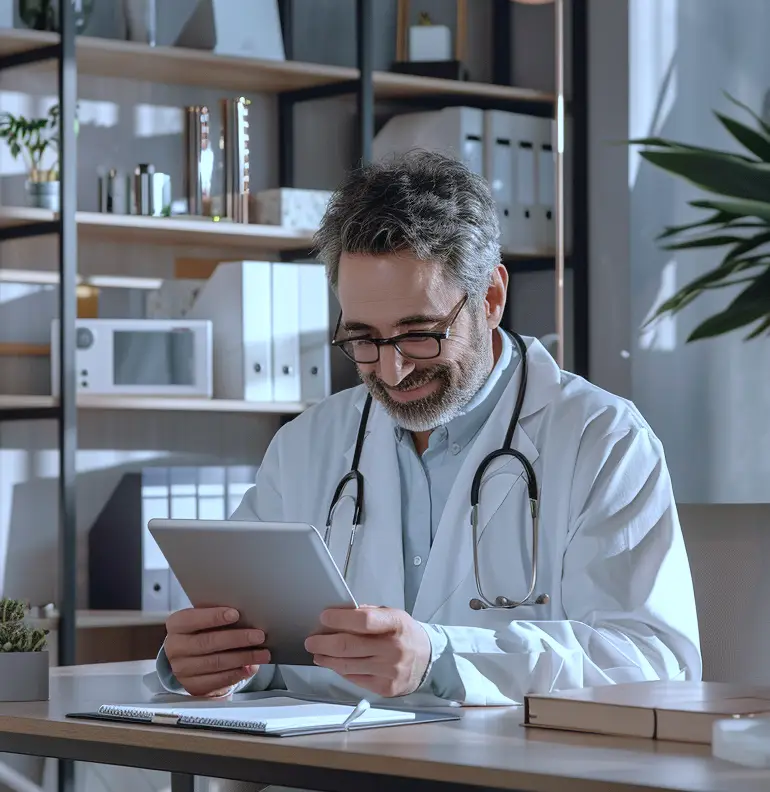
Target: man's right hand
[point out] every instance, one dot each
(207, 654)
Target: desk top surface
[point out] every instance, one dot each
(486, 748)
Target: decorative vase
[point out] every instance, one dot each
(43, 195)
(24, 676)
(44, 14)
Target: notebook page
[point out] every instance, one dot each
(271, 714)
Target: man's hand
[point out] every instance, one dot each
(207, 655)
(381, 649)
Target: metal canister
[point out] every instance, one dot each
(199, 160)
(151, 191)
(114, 188)
(236, 146)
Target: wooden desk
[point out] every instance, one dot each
(486, 749)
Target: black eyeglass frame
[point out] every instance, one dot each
(437, 335)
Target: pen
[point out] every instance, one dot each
(359, 710)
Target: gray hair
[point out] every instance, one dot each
(424, 203)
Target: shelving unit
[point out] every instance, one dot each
(162, 230)
(152, 403)
(292, 82)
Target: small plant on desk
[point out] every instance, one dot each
(24, 662)
(15, 634)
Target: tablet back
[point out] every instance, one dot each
(279, 576)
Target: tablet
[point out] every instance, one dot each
(279, 576)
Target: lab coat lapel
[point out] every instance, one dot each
(376, 573)
(451, 557)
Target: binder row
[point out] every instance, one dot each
(514, 152)
(270, 330)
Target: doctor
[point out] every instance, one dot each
(411, 248)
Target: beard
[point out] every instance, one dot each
(458, 382)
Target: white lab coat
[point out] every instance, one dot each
(612, 557)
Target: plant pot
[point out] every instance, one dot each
(24, 676)
(43, 195)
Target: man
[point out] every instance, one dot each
(411, 248)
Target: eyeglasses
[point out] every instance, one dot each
(418, 345)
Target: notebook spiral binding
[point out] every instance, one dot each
(122, 712)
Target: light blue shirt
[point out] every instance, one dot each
(427, 480)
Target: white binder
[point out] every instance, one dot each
(457, 131)
(510, 167)
(238, 299)
(286, 363)
(546, 186)
(314, 348)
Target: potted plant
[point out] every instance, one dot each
(737, 220)
(32, 139)
(24, 662)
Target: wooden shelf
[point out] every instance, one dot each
(177, 65)
(391, 85)
(50, 278)
(182, 66)
(97, 619)
(157, 403)
(139, 229)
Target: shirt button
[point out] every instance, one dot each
(417, 560)
(455, 449)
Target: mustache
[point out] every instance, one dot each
(414, 380)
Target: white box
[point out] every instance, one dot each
(430, 43)
(291, 208)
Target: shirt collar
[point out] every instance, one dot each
(463, 428)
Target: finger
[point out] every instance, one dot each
(212, 642)
(216, 684)
(344, 645)
(372, 621)
(217, 663)
(358, 666)
(192, 620)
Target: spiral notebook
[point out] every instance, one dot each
(279, 716)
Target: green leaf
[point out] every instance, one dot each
(717, 218)
(695, 287)
(749, 138)
(720, 174)
(673, 145)
(764, 327)
(765, 127)
(751, 305)
(737, 209)
(705, 242)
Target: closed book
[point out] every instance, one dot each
(661, 710)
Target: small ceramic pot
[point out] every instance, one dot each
(43, 195)
(24, 676)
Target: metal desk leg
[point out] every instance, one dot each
(182, 782)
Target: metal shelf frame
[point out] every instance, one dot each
(65, 413)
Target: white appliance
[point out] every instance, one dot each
(271, 330)
(139, 357)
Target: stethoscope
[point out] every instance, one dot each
(482, 602)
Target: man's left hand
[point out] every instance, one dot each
(380, 649)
